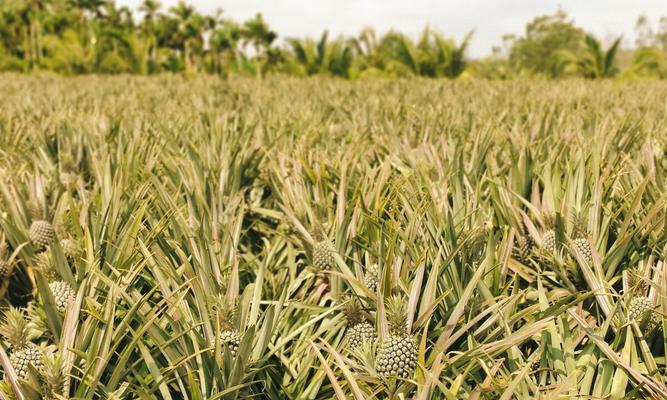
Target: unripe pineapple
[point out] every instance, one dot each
(371, 278)
(21, 359)
(227, 311)
(4, 270)
(581, 234)
(397, 356)
(583, 247)
(14, 329)
(524, 247)
(5, 267)
(231, 338)
(549, 241)
(361, 333)
(41, 234)
(323, 255)
(63, 294)
(359, 330)
(642, 310)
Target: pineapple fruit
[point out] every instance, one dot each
(642, 310)
(323, 255)
(581, 242)
(41, 234)
(549, 241)
(524, 248)
(63, 294)
(231, 338)
(371, 278)
(549, 235)
(14, 329)
(583, 247)
(23, 358)
(5, 266)
(359, 330)
(397, 355)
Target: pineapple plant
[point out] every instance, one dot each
(63, 294)
(323, 255)
(397, 355)
(41, 234)
(14, 329)
(359, 330)
(371, 277)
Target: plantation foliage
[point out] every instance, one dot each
(166, 238)
(97, 36)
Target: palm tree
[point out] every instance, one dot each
(594, 62)
(188, 36)
(649, 62)
(399, 54)
(257, 32)
(150, 9)
(224, 44)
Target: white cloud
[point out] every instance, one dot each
(489, 18)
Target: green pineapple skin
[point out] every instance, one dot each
(397, 356)
(5, 271)
(361, 333)
(549, 241)
(63, 294)
(41, 234)
(323, 255)
(21, 359)
(524, 247)
(371, 278)
(583, 247)
(231, 339)
(642, 310)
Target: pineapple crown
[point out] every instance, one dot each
(44, 263)
(52, 371)
(580, 225)
(14, 328)
(353, 312)
(34, 209)
(549, 221)
(634, 282)
(227, 310)
(3, 249)
(317, 235)
(396, 315)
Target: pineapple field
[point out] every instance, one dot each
(285, 238)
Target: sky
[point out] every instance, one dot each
(490, 19)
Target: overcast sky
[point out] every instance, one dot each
(489, 18)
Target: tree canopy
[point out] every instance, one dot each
(97, 36)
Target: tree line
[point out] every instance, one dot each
(97, 36)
